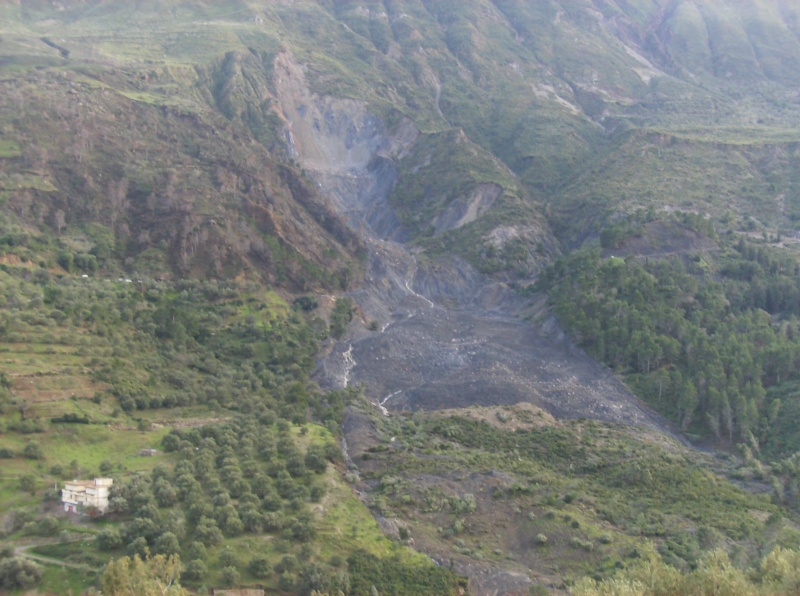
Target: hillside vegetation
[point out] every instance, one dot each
(213, 375)
(188, 188)
(549, 502)
(701, 338)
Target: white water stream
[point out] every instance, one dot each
(349, 364)
(410, 278)
(382, 404)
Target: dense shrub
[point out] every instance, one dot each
(19, 574)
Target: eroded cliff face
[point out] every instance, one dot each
(467, 209)
(348, 152)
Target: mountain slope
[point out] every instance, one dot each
(543, 87)
(433, 157)
(176, 187)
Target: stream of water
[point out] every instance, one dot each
(348, 363)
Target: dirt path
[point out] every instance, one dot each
(22, 551)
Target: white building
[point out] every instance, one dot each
(86, 494)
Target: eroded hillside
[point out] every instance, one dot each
(521, 110)
(433, 158)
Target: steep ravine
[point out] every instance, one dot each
(447, 336)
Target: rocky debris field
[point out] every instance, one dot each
(441, 349)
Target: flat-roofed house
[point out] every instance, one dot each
(86, 494)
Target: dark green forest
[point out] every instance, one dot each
(710, 340)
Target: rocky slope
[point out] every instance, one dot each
(445, 335)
